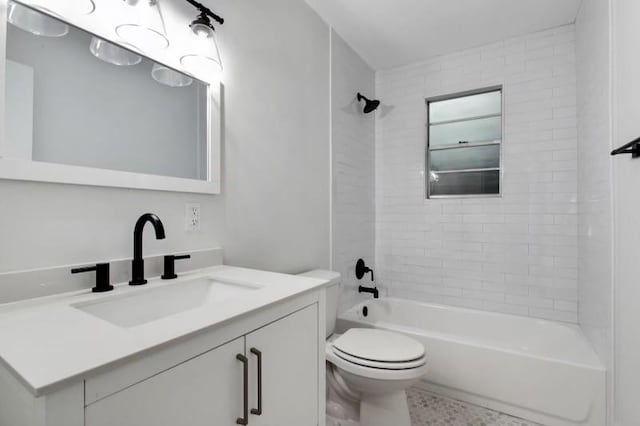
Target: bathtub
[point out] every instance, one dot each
(542, 371)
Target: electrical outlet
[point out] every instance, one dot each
(192, 217)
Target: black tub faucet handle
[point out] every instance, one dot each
(362, 269)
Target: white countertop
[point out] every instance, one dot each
(46, 341)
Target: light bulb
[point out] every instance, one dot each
(201, 26)
(201, 30)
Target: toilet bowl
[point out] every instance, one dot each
(368, 370)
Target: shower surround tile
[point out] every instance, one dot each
(353, 152)
(516, 254)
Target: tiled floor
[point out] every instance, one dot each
(428, 409)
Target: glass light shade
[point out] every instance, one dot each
(81, 7)
(169, 77)
(113, 54)
(35, 22)
(147, 30)
(206, 60)
(65, 7)
(75, 7)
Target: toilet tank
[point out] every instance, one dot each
(333, 294)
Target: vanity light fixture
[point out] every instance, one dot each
(147, 31)
(206, 58)
(168, 77)
(115, 55)
(35, 22)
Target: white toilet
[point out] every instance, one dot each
(368, 370)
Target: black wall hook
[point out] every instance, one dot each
(632, 148)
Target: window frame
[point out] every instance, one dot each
(428, 149)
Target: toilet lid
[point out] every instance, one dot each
(379, 345)
(407, 365)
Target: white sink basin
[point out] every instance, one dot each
(152, 304)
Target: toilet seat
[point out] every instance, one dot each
(372, 372)
(379, 345)
(380, 364)
(377, 354)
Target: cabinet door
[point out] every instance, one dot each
(289, 352)
(204, 391)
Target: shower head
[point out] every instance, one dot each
(370, 105)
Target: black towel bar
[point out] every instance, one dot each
(632, 148)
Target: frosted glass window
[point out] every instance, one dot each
(458, 108)
(466, 183)
(480, 157)
(481, 130)
(464, 144)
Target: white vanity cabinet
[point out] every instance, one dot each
(197, 380)
(209, 389)
(206, 390)
(289, 386)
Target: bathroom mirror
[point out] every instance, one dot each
(82, 109)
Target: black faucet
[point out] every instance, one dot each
(372, 290)
(361, 270)
(137, 265)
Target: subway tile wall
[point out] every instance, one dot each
(595, 241)
(353, 152)
(515, 254)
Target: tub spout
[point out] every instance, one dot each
(372, 290)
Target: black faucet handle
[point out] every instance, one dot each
(170, 265)
(102, 276)
(362, 269)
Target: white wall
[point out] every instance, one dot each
(593, 54)
(274, 211)
(353, 167)
(515, 254)
(626, 175)
(276, 139)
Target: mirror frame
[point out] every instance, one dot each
(35, 171)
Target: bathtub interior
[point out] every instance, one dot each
(530, 336)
